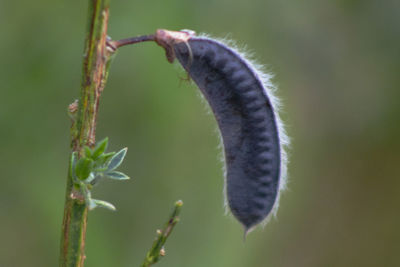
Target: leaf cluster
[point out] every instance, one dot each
(94, 165)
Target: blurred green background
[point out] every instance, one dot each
(337, 67)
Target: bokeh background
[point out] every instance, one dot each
(337, 67)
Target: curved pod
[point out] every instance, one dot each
(251, 131)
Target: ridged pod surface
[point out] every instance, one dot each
(247, 122)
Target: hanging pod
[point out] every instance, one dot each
(241, 98)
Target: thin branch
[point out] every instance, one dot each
(139, 39)
(157, 249)
(84, 117)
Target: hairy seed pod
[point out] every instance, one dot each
(241, 99)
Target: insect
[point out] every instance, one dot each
(245, 109)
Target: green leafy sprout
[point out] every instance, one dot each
(94, 165)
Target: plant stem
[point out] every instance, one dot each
(157, 248)
(94, 74)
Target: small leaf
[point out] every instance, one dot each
(94, 203)
(88, 151)
(117, 159)
(117, 175)
(100, 170)
(108, 156)
(100, 148)
(103, 158)
(83, 168)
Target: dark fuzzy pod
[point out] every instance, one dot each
(247, 123)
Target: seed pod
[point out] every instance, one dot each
(241, 99)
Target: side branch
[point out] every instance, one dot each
(157, 249)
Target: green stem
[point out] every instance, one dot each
(157, 248)
(94, 74)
